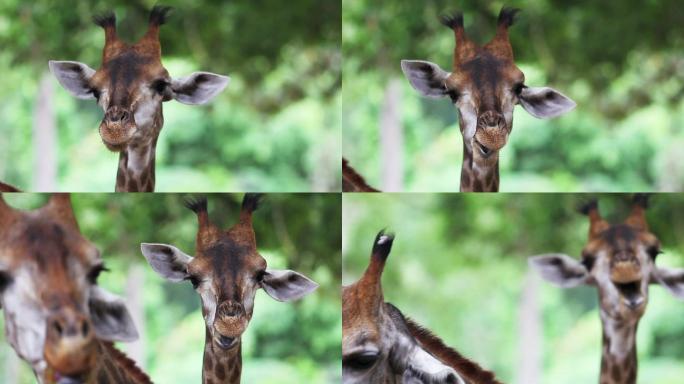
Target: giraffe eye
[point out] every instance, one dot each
(159, 86)
(195, 281)
(361, 361)
(260, 276)
(95, 273)
(517, 88)
(654, 251)
(5, 280)
(95, 93)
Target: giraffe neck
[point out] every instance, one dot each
(477, 175)
(112, 367)
(136, 168)
(619, 356)
(220, 366)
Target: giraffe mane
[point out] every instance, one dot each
(357, 180)
(8, 188)
(433, 344)
(130, 367)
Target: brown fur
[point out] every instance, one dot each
(352, 181)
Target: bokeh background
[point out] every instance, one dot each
(459, 266)
(300, 232)
(275, 128)
(622, 62)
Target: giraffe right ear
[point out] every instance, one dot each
(561, 270)
(168, 261)
(425, 77)
(74, 77)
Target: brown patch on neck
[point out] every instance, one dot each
(352, 181)
(470, 370)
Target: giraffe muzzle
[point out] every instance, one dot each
(69, 345)
(117, 128)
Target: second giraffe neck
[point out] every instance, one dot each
(220, 366)
(136, 168)
(619, 355)
(477, 177)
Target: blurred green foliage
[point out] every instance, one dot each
(275, 128)
(300, 232)
(622, 62)
(458, 266)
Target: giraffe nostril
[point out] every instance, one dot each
(85, 328)
(58, 327)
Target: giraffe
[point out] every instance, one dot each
(57, 318)
(352, 181)
(484, 86)
(620, 261)
(380, 345)
(226, 272)
(130, 86)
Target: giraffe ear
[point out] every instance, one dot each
(287, 285)
(110, 317)
(545, 102)
(561, 270)
(168, 261)
(74, 77)
(199, 87)
(425, 77)
(670, 278)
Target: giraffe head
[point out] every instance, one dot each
(377, 346)
(132, 83)
(619, 259)
(226, 272)
(484, 85)
(53, 308)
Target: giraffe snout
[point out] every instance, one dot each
(69, 343)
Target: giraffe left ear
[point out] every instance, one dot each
(74, 77)
(199, 87)
(287, 285)
(561, 270)
(670, 278)
(110, 317)
(545, 102)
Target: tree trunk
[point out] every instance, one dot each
(135, 286)
(530, 331)
(392, 139)
(44, 137)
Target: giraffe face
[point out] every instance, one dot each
(226, 272)
(619, 260)
(377, 346)
(485, 85)
(132, 83)
(54, 311)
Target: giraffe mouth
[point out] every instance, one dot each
(60, 379)
(484, 150)
(225, 342)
